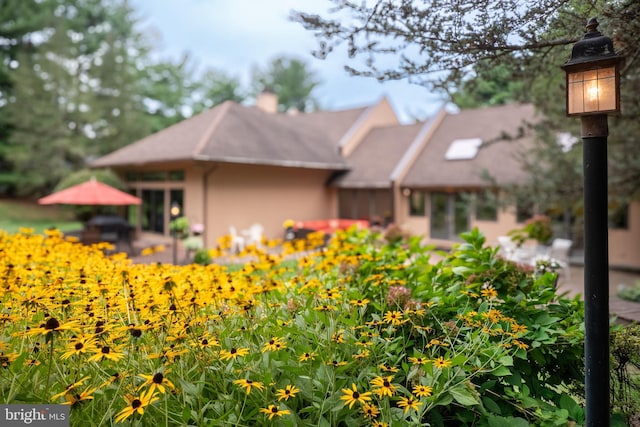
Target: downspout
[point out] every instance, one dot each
(393, 203)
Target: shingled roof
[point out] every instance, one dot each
(375, 158)
(504, 131)
(234, 133)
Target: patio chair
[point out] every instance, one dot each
(237, 241)
(559, 251)
(254, 235)
(507, 247)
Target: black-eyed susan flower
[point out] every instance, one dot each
(422, 390)
(393, 317)
(352, 395)
(74, 399)
(136, 405)
(370, 411)
(383, 367)
(71, 387)
(379, 424)
(247, 384)
(306, 356)
(383, 386)
(336, 363)
(287, 392)
(418, 360)
(107, 352)
(489, 292)
(80, 345)
(157, 381)
(441, 362)
(233, 353)
(274, 411)
(409, 403)
(360, 302)
(274, 344)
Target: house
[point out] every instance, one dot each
(236, 165)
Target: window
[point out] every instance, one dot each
(487, 206)
(176, 175)
(619, 216)
(524, 210)
(463, 149)
(417, 203)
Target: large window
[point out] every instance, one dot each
(449, 215)
(417, 203)
(487, 206)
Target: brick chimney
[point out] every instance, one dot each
(267, 101)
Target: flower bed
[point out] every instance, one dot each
(359, 333)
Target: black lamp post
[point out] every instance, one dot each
(174, 213)
(593, 91)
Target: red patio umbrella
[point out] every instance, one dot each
(90, 193)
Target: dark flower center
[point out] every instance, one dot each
(52, 324)
(158, 378)
(356, 395)
(105, 350)
(274, 410)
(233, 351)
(136, 403)
(386, 383)
(79, 346)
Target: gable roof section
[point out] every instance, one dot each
(373, 161)
(233, 133)
(497, 155)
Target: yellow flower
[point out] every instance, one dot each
(306, 356)
(489, 292)
(383, 386)
(248, 385)
(370, 411)
(156, 381)
(136, 405)
(234, 353)
(422, 390)
(409, 403)
(274, 344)
(394, 317)
(352, 395)
(359, 302)
(287, 392)
(440, 363)
(418, 360)
(273, 411)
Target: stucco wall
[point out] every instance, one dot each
(624, 245)
(241, 195)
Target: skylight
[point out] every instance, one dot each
(463, 149)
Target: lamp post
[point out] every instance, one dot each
(593, 91)
(174, 213)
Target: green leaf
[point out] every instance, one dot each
(507, 422)
(464, 397)
(501, 371)
(506, 360)
(491, 405)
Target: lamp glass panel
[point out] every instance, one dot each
(575, 93)
(607, 89)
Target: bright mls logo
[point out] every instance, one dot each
(34, 415)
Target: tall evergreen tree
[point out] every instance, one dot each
(75, 95)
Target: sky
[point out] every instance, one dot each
(235, 35)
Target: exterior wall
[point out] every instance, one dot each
(624, 245)
(241, 195)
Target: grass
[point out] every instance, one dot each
(17, 213)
